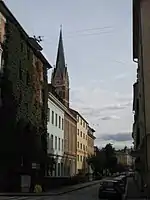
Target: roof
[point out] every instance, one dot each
(9, 16)
(77, 113)
(136, 15)
(92, 129)
(60, 68)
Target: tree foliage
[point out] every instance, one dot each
(104, 159)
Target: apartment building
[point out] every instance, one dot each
(55, 128)
(141, 103)
(82, 142)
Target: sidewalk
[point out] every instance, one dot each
(132, 191)
(56, 192)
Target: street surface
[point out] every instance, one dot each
(89, 193)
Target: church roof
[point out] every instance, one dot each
(60, 60)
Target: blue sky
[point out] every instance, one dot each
(97, 38)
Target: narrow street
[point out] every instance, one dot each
(89, 193)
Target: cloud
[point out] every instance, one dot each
(110, 117)
(121, 76)
(106, 111)
(119, 137)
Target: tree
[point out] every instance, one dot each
(111, 159)
(97, 162)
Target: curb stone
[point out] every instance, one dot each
(48, 193)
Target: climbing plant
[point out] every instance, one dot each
(22, 118)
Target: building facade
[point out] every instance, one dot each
(141, 106)
(70, 138)
(82, 143)
(24, 97)
(55, 128)
(90, 139)
(124, 158)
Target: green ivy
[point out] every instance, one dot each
(20, 116)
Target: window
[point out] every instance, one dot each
(59, 122)
(81, 146)
(81, 158)
(62, 144)
(51, 141)
(78, 118)
(77, 157)
(28, 78)
(84, 147)
(81, 133)
(55, 142)
(55, 119)
(86, 137)
(59, 144)
(28, 52)
(20, 71)
(78, 144)
(21, 45)
(81, 122)
(58, 169)
(78, 131)
(62, 124)
(40, 96)
(52, 117)
(48, 114)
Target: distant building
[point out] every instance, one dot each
(91, 138)
(82, 143)
(124, 157)
(96, 150)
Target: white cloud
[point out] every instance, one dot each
(107, 112)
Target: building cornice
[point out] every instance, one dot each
(61, 105)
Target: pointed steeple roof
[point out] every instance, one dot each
(60, 60)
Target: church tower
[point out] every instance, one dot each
(60, 78)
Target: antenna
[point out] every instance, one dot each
(38, 38)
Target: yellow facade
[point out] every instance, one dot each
(82, 144)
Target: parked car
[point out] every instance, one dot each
(110, 189)
(122, 182)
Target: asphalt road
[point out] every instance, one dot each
(89, 193)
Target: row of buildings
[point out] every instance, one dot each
(124, 157)
(70, 137)
(141, 101)
(35, 115)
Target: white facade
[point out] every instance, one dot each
(55, 128)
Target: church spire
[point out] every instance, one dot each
(60, 78)
(60, 60)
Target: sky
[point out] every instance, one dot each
(97, 37)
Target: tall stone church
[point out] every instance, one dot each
(60, 78)
(60, 82)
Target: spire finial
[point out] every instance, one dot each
(61, 27)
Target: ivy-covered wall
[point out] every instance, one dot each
(23, 119)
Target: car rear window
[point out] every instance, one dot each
(108, 184)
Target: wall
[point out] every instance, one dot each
(55, 128)
(70, 140)
(82, 139)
